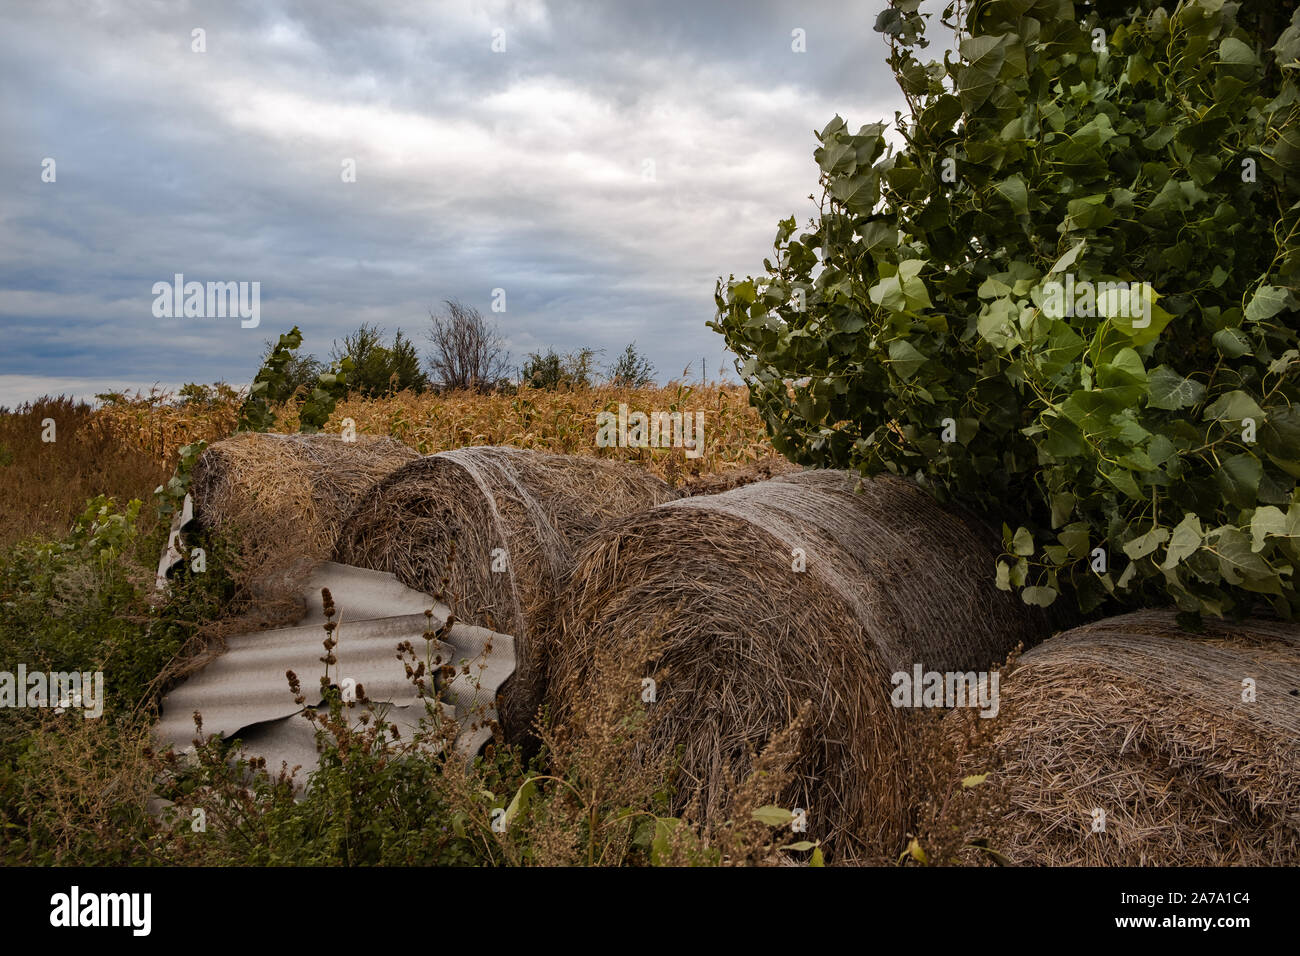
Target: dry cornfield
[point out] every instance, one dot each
(561, 421)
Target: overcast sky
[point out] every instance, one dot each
(603, 170)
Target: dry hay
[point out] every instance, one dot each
(1138, 718)
(533, 506)
(285, 496)
(718, 482)
(892, 579)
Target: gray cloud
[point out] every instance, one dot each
(522, 170)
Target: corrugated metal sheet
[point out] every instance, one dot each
(245, 693)
(174, 551)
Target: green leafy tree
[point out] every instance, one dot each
(297, 376)
(379, 369)
(632, 370)
(552, 370)
(542, 370)
(194, 394)
(944, 315)
(272, 386)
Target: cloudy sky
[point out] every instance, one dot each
(602, 170)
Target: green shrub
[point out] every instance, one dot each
(552, 370)
(632, 370)
(276, 382)
(1145, 449)
(72, 789)
(379, 369)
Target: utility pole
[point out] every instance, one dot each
(703, 377)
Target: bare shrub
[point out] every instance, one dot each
(467, 352)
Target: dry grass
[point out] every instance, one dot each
(281, 500)
(158, 425)
(1137, 718)
(492, 532)
(561, 421)
(287, 495)
(564, 421)
(891, 579)
(44, 485)
(85, 785)
(128, 447)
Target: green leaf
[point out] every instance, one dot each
(1169, 390)
(1185, 540)
(915, 851)
(1090, 212)
(773, 816)
(1123, 479)
(1068, 259)
(1237, 562)
(914, 291)
(888, 292)
(905, 358)
(1093, 410)
(993, 288)
(904, 291)
(984, 56)
(973, 781)
(1062, 508)
(1272, 522)
(659, 846)
(1143, 545)
(1023, 542)
(519, 802)
(1124, 375)
(1265, 303)
(1039, 596)
(1233, 407)
(859, 192)
(1233, 51)
(1283, 361)
(1238, 477)
(1231, 343)
(1129, 316)
(996, 323)
(1013, 189)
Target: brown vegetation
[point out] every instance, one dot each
(1135, 717)
(492, 532)
(744, 636)
(44, 485)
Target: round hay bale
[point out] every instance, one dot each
(492, 531)
(1145, 722)
(286, 495)
(742, 636)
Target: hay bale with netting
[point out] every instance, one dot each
(1153, 726)
(284, 497)
(492, 532)
(742, 636)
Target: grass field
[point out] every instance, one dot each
(76, 588)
